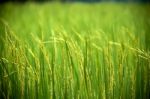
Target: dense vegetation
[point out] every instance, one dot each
(74, 51)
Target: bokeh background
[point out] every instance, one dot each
(141, 1)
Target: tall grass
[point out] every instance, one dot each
(74, 51)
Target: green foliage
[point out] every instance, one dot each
(74, 51)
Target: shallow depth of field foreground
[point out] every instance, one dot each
(74, 51)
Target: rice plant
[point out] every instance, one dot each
(74, 51)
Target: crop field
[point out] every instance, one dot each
(74, 51)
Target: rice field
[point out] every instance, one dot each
(74, 51)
